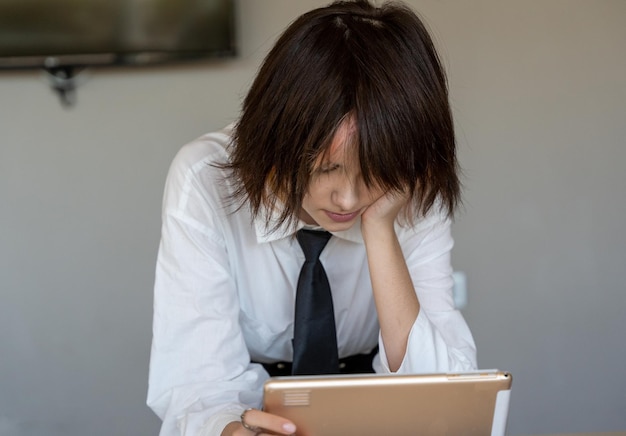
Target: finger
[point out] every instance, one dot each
(263, 421)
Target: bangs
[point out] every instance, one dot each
(350, 60)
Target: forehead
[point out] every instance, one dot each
(343, 146)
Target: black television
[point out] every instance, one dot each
(53, 34)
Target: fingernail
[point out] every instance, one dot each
(289, 427)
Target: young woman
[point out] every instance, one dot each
(346, 129)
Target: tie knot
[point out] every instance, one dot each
(312, 242)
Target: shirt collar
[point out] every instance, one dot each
(264, 233)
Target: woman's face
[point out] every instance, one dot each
(337, 195)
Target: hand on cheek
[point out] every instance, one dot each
(385, 209)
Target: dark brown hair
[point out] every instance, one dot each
(377, 64)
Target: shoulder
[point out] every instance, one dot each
(195, 175)
(211, 148)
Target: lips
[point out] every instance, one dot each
(342, 217)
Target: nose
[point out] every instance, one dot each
(347, 194)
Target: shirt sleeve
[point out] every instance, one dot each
(439, 340)
(201, 377)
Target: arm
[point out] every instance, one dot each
(396, 302)
(427, 334)
(200, 371)
(201, 378)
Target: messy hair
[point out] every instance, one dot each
(351, 58)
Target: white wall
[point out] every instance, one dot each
(539, 92)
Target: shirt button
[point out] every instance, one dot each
(280, 365)
(342, 365)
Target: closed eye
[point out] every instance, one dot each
(324, 169)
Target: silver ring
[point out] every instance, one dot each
(253, 429)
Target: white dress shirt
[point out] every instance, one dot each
(225, 293)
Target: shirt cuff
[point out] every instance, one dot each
(422, 355)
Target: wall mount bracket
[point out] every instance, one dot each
(64, 80)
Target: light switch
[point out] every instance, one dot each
(459, 290)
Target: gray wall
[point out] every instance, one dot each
(539, 94)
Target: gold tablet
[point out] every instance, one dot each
(474, 403)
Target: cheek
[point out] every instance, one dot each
(319, 187)
(311, 198)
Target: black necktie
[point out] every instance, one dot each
(314, 338)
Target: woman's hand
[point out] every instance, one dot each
(259, 423)
(385, 209)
